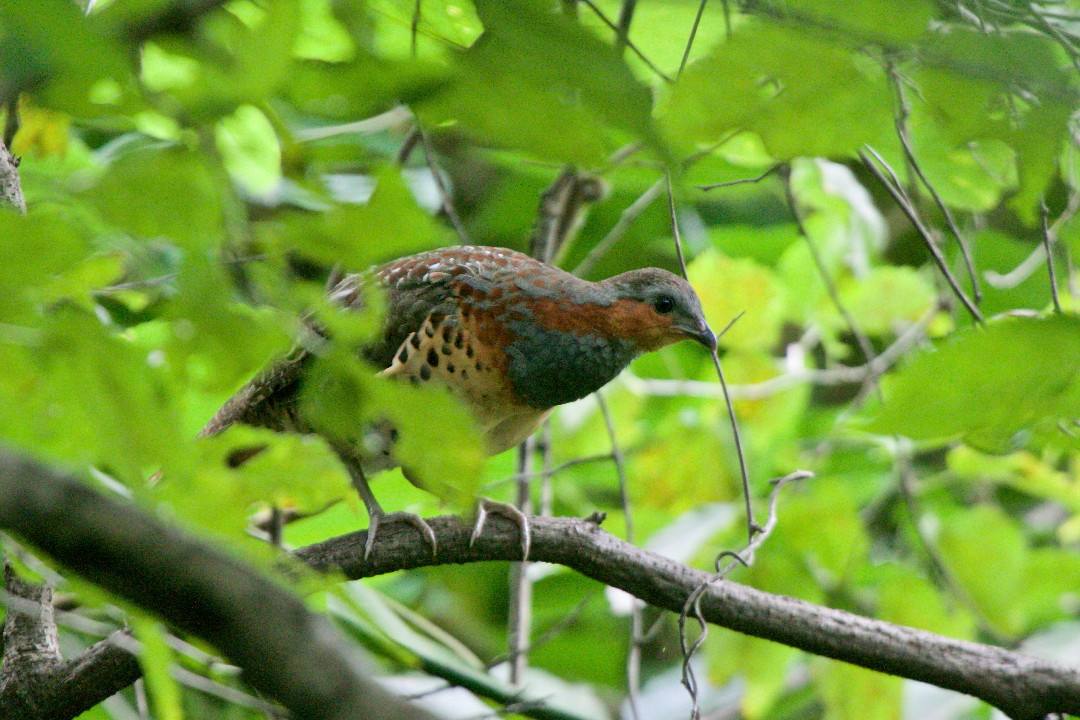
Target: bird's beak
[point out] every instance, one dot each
(701, 332)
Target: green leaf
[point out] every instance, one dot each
(986, 553)
(292, 472)
(101, 401)
(155, 659)
(172, 193)
(855, 693)
(322, 36)
(362, 86)
(38, 249)
(250, 149)
(801, 94)
(559, 54)
(442, 24)
(1050, 579)
(437, 443)
(837, 552)
(540, 82)
(212, 342)
(1022, 471)
(240, 54)
(729, 287)
(48, 48)
(764, 244)
(877, 20)
(986, 384)
(968, 82)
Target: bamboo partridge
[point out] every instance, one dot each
(511, 336)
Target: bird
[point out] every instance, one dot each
(509, 336)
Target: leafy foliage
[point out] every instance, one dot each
(194, 170)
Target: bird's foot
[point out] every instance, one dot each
(377, 520)
(487, 506)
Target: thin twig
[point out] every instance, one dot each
(633, 657)
(626, 219)
(743, 181)
(1031, 263)
(11, 123)
(1048, 243)
(629, 44)
(444, 193)
(547, 487)
(602, 457)
(556, 628)
(751, 525)
(520, 621)
(690, 40)
(693, 600)
(408, 145)
(414, 26)
(906, 476)
(767, 388)
(1070, 48)
(626, 16)
(902, 113)
(892, 185)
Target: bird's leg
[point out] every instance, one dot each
(376, 515)
(487, 506)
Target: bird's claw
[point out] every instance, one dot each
(379, 519)
(487, 506)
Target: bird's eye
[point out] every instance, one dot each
(664, 304)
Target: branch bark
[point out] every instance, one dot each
(1022, 687)
(10, 188)
(285, 651)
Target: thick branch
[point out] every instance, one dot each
(1021, 686)
(31, 647)
(292, 655)
(287, 652)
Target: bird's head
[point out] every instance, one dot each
(655, 308)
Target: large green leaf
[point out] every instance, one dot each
(437, 438)
(48, 48)
(94, 396)
(542, 83)
(240, 54)
(987, 384)
(166, 193)
(803, 95)
(883, 21)
(1012, 87)
(985, 552)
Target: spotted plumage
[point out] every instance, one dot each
(510, 336)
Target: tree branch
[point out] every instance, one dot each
(1021, 686)
(10, 188)
(285, 651)
(296, 658)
